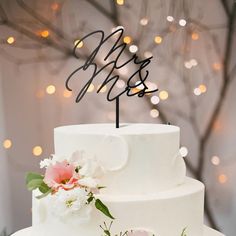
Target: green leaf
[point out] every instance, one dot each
(90, 199)
(34, 184)
(101, 187)
(44, 188)
(101, 207)
(31, 176)
(184, 232)
(44, 195)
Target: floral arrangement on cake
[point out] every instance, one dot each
(71, 183)
(107, 231)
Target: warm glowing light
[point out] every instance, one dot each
(80, 43)
(154, 113)
(44, 33)
(10, 40)
(37, 150)
(103, 89)
(195, 36)
(120, 2)
(163, 95)
(215, 160)
(222, 178)
(183, 151)
(193, 62)
(7, 143)
(202, 88)
(90, 88)
(135, 90)
(182, 22)
(144, 21)
(139, 85)
(67, 93)
(217, 66)
(170, 18)
(133, 48)
(147, 54)
(197, 91)
(127, 39)
(55, 6)
(51, 89)
(155, 100)
(188, 65)
(158, 39)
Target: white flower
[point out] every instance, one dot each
(71, 202)
(46, 162)
(89, 167)
(50, 161)
(89, 182)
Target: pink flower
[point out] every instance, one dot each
(61, 175)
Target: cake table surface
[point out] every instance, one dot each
(28, 232)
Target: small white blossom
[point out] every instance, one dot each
(71, 202)
(89, 182)
(89, 167)
(46, 162)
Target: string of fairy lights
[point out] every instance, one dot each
(163, 95)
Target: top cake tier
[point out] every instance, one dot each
(137, 158)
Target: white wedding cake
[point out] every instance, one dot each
(136, 172)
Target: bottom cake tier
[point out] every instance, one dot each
(165, 214)
(29, 232)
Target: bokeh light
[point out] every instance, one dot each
(202, 88)
(120, 2)
(222, 178)
(55, 6)
(163, 95)
(195, 36)
(170, 18)
(44, 33)
(154, 113)
(197, 91)
(80, 43)
(11, 40)
(183, 151)
(217, 66)
(158, 39)
(215, 160)
(7, 143)
(133, 48)
(51, 89)
(67, 93)
(90, 88)
(144, 21)
(127, 39)
(103, 89)
(37, 151)
(182, 22)
(155, 100)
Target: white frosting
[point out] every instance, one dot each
(31, 232)
(139, 158)
(165, 214)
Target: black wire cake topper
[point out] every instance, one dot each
(112, 66)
